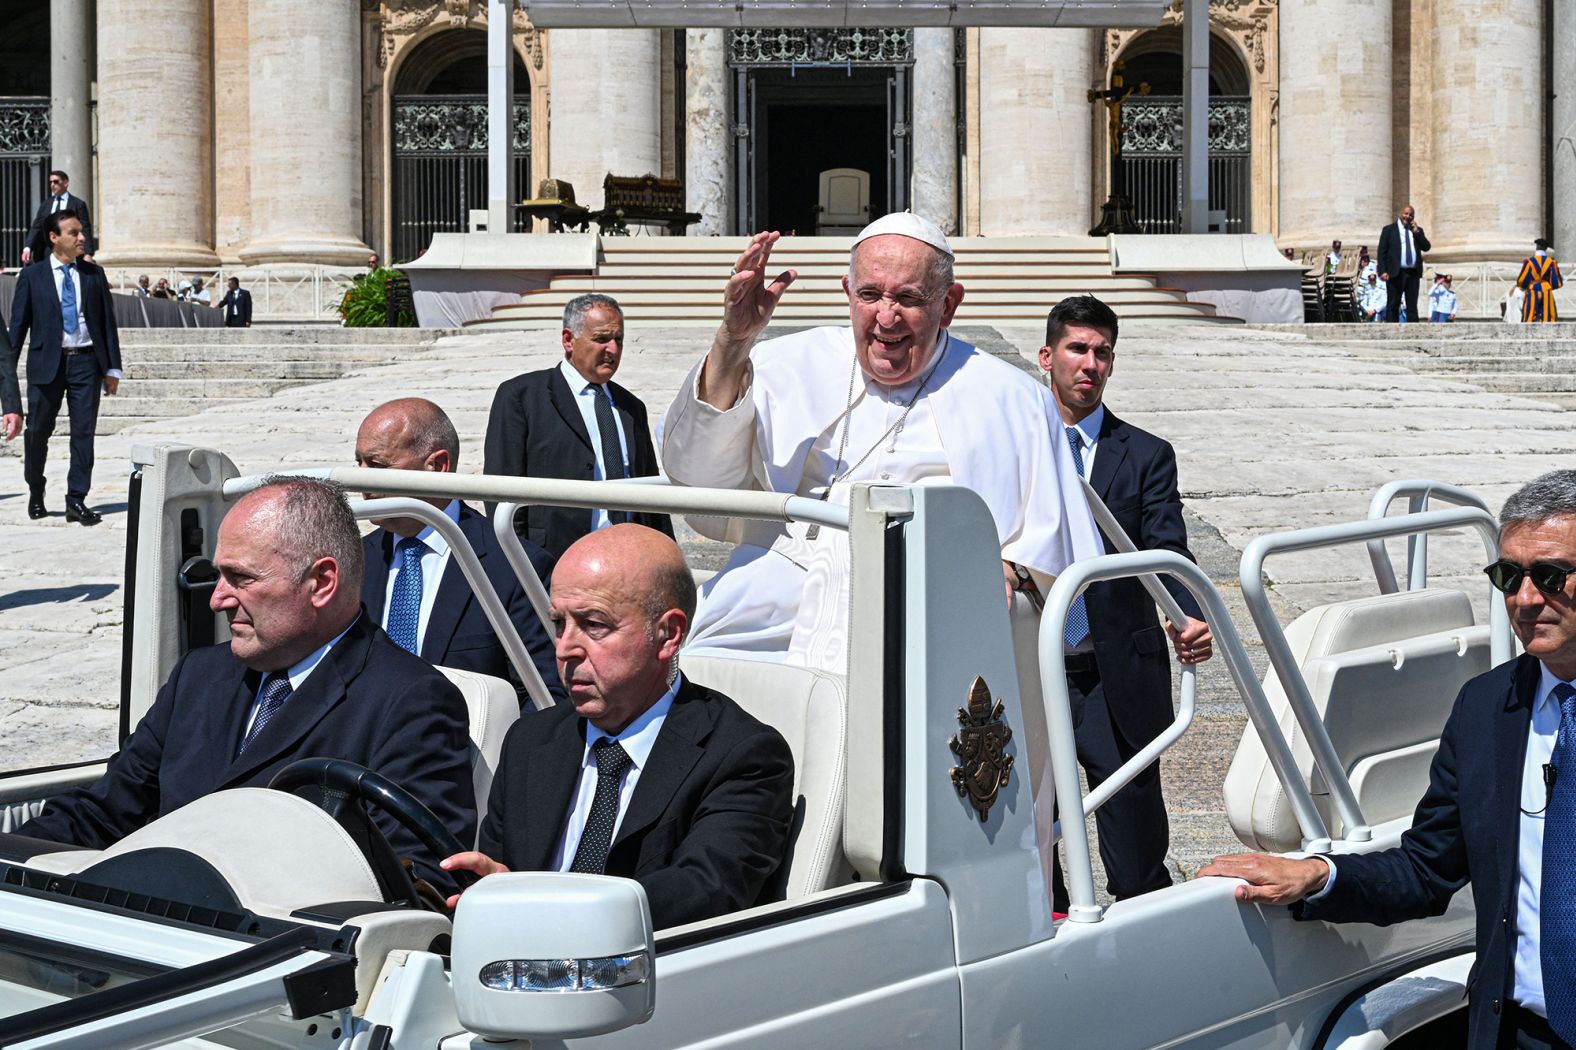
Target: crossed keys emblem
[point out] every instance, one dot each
(981, 747)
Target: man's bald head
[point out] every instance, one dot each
(622, 603)
(411, 433)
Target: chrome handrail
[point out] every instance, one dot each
(1419, 492)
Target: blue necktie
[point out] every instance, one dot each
(1077, 627)
(405, 606)
(276, 690)
(68, 301)
(1557, 898)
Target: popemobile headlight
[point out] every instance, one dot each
(541, 955)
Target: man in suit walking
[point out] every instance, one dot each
(237, 305)
(1118, 670)
(1401, 248)
(36, 245)
(63, 301)
(414, 588)
(644, 774)
(1498, 813)
(10, 392)
(306, 673)
(572, 421)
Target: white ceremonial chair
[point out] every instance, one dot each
(843, 207)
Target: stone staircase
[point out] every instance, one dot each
(174, 372)
(678, 281)
(1532, 361)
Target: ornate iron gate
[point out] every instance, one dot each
(1152, 161)
(440, 165)
(24, 160)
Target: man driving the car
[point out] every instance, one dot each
(306, 673)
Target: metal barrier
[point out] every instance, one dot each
(1418, 494)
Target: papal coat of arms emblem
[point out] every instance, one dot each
(981, 747)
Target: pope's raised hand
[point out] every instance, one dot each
(750, 299)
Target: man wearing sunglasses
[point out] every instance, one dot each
(36, 245)
(1506, 760)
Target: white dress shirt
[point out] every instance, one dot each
(637, 739)
(586, 394)
(80, 337)
(60, 202)
(1408, 246)
(433, 565)
(297, 674)
(1527, 988)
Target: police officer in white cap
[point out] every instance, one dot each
(894, 398)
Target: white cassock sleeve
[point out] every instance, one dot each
(707, 447)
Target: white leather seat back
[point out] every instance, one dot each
(493, 706)
(808, 708)
(1383, 672)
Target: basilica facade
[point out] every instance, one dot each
(223, 133)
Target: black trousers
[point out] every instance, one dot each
(1402, 282)
(78, 384)
(1524, 1030)
(1133, 829)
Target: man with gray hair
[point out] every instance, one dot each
(1498, 813)
(918, 405)
(305, 674)
(572, 421)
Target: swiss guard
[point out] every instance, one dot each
(1540, 276)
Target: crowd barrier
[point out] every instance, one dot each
(134, 311)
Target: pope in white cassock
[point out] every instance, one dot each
(893, 398)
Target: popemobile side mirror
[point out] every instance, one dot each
(541, 955)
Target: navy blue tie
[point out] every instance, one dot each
(68, 301)
(1557, 898)
(1077, 627)
(404, 617)
(597, 836)
(276, 690)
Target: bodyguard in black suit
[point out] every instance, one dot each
(59, 199)
(10, 392)
(1401, 248)
(1494, 815)
(64, 366)
(415, 434)
(237, 305)
(572, 421)
(233, 715)
(644, 775)
(1119, 670)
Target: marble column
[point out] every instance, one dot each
(1035, 131)
(1488, 98)
(155, 134)
(934, 189)
(71, 93)
(1564, 129)
(305, 112)
(1335, 121)
(708, 132)
(606, 106)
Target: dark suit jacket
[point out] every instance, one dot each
(38, 241)
(368, 701)
(1464, 830)
(1390, 248)
(36, 310)
(242, 317)
(1135, 473)
(705, 829)
(458, 634)
(10, 392)
(535, 431)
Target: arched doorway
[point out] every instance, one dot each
(24, 120)
(439, 132)
(1152, 133)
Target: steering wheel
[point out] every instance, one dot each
(358, 782)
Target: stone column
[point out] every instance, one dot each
(1335, 121)
(155, 134)
(1488, 130)
(305, 68)
(71, 92)
(606, 106)
(934, 190)
(708, 132)
(1564, 128)
(1035, 171)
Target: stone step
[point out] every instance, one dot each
(165, 389)
(285, 352)
(712, 269)
(836, 301)
(302, 335)
(1463, 331)
(790, 245)
(166, 408)
(141, 368)
(1525, 363)
(1063, 284)
(547, 318)
(1452, 350)
(1519, 383)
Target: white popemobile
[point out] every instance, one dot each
(918, 907)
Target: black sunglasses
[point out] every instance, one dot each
(1506, 576)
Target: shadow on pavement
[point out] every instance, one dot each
(82, 592)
